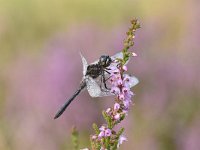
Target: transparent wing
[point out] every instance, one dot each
(94, 89)
(85, 64)
(118, 55)
(95, 62)
(133, 81)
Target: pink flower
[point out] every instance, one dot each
(128, 95)
(101, 134)
(102, 128)
(114, 79)
(126, 104)
(115, 90)
(119, 82)
(121, 140)
(114, 70)
(118, 77)
(129, 81)
(126, 78)
(125, 90)
(107, 132)
(116, 106)
(121, 96)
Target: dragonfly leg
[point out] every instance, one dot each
(101, 82)
(104, 81)
(107, 71)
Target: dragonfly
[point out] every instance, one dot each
(95, 76)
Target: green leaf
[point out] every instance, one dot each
(108, 119)
(96, 129)
(120, 132)
(107, 142)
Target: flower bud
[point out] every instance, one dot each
(117, 116)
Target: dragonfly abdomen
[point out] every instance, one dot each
(62, 109)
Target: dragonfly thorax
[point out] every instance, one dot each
(94, 70)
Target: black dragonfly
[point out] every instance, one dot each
(94, 79)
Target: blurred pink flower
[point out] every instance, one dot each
(121, 140)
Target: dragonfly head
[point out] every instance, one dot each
(105, 60)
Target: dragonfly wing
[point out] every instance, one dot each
(118, 55)
(94, 89)
(105, 93)
(133, 81)
(85, 64)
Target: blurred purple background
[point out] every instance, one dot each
(41, 67)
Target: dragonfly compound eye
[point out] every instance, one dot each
(108, 61)
(105, 61)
